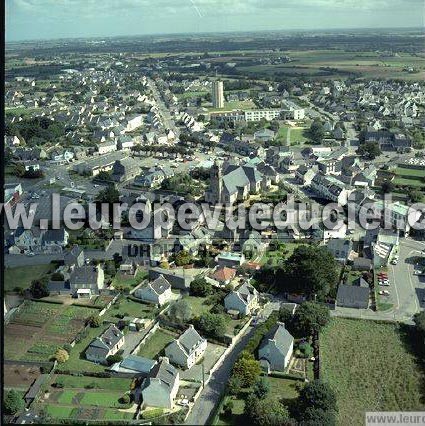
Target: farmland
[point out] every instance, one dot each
(413, 178)
(38, 328)
(371, 368)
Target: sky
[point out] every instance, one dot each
(52, 19)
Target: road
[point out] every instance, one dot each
(212, 392)
(407, 290)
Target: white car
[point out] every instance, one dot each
(394, 261)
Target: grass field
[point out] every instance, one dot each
(22, 277)
(84, 398)
(155, 344)
(371, 368)
(129, 282)
(74, 382)
(229, 106)
(130, 308)
(409, 173)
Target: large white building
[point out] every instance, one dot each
(217, 94)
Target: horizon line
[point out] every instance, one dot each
(192, 33)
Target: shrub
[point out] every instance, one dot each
(125, 399)
(61, 356)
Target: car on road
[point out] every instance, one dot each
(30, 254)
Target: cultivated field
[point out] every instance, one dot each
(19, 376)
(38, 328)
(371, 367)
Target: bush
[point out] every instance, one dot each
(306, 350)
(156, 412)
(67, 347)
(228, 408)
(112, 359)
(125, 399)
(94, 321)
(13, 403)
(61, 356)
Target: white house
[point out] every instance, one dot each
(244, 300)
(157, 291)
(187, 349)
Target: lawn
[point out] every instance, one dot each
(413, 182)
(129, 282)
(22, 277)
(130, 308)
(156, 343)
(197, 305)
(276, 256)
(77, 361)
(112, 383)
(409, 173)
(239, 105)
(371, 368)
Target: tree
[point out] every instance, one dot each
(234, 385)
(125, 399)
(318, 395)
(13, 402)
(213, 325)
(310, 317)
(94, 321)
(316, 132)
(261, 388)
(265, 412)
(419, 320)
(112, 359)
(310, 270)
(415, 195)
(317, 416)
(200, 287)
(369, 150)
(247, 369)
(180, 311)
(39, 289)
(387, 187)
(109, 195)
(306, 350)
(182, 258)
(61, 356)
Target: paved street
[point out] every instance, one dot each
(210, 395)
(407, 290)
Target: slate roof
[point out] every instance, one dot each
(53, 235)
(105, 342)
(84, 274)
(165, 373)
(189, 340)
(349, 295)
(281, 336)
(138, 363)
(160, 285)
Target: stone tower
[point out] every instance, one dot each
(216, 183)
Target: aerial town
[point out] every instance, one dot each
(215, 325)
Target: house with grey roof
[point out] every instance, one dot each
(54, 240)
(157, 291)
(244, 300)
(86, 280)
(160, 388)
(188, 349)
(276, 349)
(178, 278)
(125, 169)
(107, 344)
(353, 296)
(74, 256)
(340, 248)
